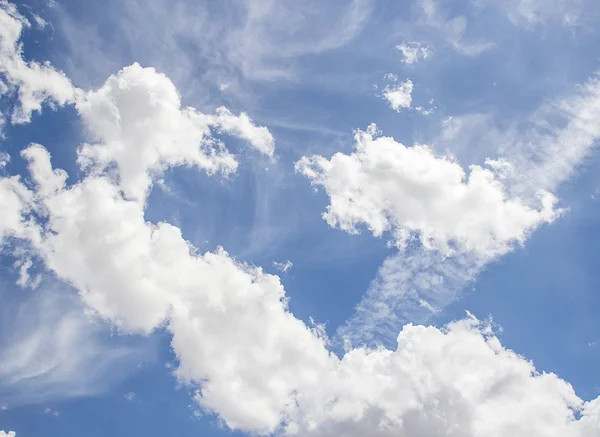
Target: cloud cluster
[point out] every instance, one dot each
(413, 285)
(253, 363)
(260, 368)
(138, 125)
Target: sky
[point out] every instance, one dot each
(319, 218)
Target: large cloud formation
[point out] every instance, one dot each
(255, 365)
(260, 368)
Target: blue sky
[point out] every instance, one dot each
(357, 218)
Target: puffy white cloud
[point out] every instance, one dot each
(242, 126)
(138, 124)
(35, 83)
(7, 433)
(135, 119)
(230, 324)
(417, 195)
(454, 381)
(399, 95)
(412, 52)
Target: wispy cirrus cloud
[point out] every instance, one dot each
(51, 350)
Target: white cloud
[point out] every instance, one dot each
(454, 381)
(7, 433)
(283, 267)
(409, 287)
(540, 152)
(39, 21)
(418, 195)
(51, 350)
(139, 125)
(34, 83)
(130, 396)
(563, 134)
(399, 96)
(15, 199)
(142, 276)
(258, 136)
(413, 52)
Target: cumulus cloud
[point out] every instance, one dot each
(7, 433)
(135, 120)
(420, 196)
(413, 52)
(454, 381)
(141, 276)
(34, 83)
(398, 95)
(138, 125)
